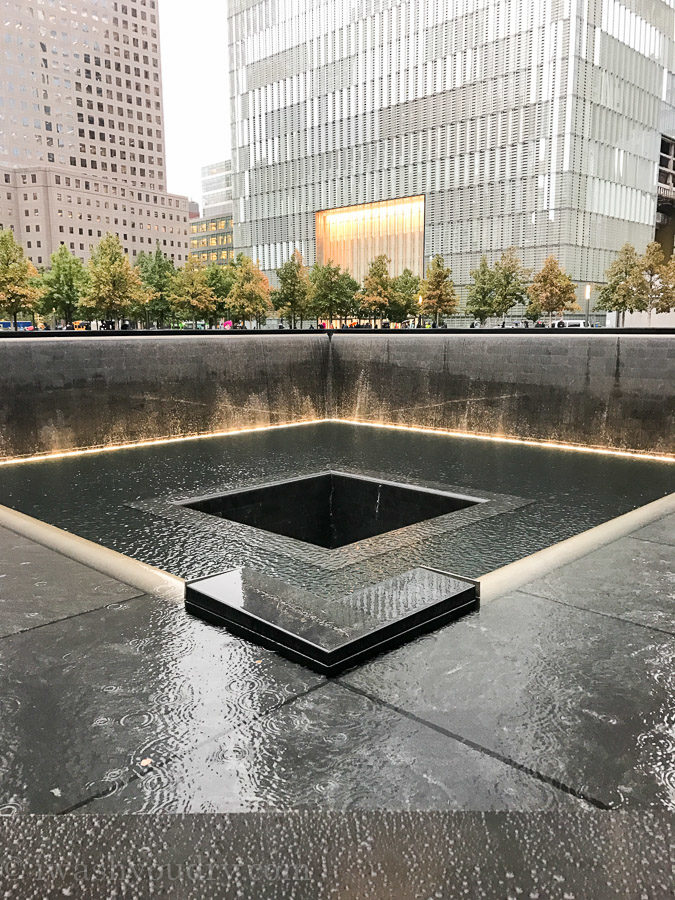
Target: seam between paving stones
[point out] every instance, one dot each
(176, 757)
(486, 751)
(634, 536)
(596, 612)
(84, 612)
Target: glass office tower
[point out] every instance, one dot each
(529, 124)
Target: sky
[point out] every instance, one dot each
(196, 89)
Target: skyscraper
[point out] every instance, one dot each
(417, 127)
(82, 147)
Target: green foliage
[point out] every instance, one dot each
(114, 286)
(653, 282)
(404, 300)
(19, 291)
(438, 290)
(64, 285)
(510, 283)
(221, 280)
(378, 288)
(192, 298)
(333, 292)
(250, 295)
(292, 299)
(157, 273)
(620, 293)
(481, 297)
(552, 291)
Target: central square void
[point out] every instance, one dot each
(331, 509)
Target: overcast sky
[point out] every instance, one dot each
(196, 89)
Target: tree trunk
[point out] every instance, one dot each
(15, 325)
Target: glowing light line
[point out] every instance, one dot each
(155, 442)
(420, 429)
(547, 445)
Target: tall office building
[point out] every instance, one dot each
(82, 148)
(417, 127)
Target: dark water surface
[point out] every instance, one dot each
(558, 494)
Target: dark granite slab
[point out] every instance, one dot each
(330, 635)
(38, 585)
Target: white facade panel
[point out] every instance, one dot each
(529, 124)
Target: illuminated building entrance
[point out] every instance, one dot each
(352, 236)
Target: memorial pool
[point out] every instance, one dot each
(131, 500)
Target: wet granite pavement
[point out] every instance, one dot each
(556, 699)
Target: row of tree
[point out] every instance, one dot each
(153, 291)
(109, 287)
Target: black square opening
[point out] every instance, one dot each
(331, 509)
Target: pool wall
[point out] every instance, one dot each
(603, 390)
(64, 393)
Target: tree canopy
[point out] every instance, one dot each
(65, 283)
(19, 290)
(438, 290)
(114, 286)
(293, 297)
(552, 291)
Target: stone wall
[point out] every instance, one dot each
(602, 390)
(64, 393)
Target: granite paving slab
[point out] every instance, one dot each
(86, 700)
(577, 696)
(661, 531)
(38, 585)
(332, 749)
(630, 579)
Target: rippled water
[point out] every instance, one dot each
(566, 492)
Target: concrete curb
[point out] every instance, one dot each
(513, 576)
(115, 565)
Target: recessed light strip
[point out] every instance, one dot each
(549, 445)
(132, 445)
(420, 429)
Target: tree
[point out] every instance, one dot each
(480, 303)
(19, 291)
(157, 273)
(552, 290)
(333, 292)
(403, 303)
(438, 291)
(295, 290)
(114, 286)
(221, 281)
(192, 298)
(652, 282)
(64, 285)
(378, 289)
(250, 293)
(619, 295)
(510, 278)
